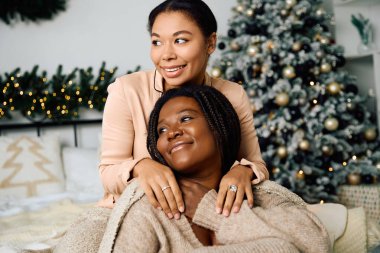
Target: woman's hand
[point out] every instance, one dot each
(240, 176)
(160, 186)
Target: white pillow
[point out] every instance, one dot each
(30, 166)
(82, 174)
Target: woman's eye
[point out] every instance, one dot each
(156, 43)
(161, 130)
(186, 118)
(181, 41)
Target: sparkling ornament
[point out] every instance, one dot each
(275, 170)
(290, 3)
(350, 106)
(325, 67)
(327, 150)
(304, 145)
(324, 40)
(300, 175)
(331, 124)
(296, 46)
(284, 12)
(289, 72)
(320, 54)
(333, 88)
(250, 12)
(282, 99)
(353, 178)
(235, 46)
(370, 134)
(216, 72)
(253, 50)
(282, 152)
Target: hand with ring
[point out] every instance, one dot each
(233, 187)
(160, 186)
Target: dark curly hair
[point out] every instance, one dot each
(219, 113)
(197, 10)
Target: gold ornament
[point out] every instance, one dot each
(296, 46)
(370, 134)
(275, 170)
(235, 46)
(333, 88)
(350, 106)
(320, 54)
(353, 178)
(250, 12)
(331, 124)
(253, 50)
(282, 152)
(327, 150)
(325, 67)
(300, 175)
(288, 72)
(216, 72)
(290, 3)
(304, 145)
(282, 99)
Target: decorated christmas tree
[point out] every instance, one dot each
(314, 129)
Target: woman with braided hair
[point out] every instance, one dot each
(195, 131)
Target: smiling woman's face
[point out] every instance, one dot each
(185, 140)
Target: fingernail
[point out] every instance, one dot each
(218, 210)
(236, 209)
(250, 206)
(181, 209)
(226, 213)
(170, 215)
(177, 216)
(159, 208)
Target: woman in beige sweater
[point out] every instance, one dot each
(195, 131)
(183, 34)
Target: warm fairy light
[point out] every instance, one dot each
(54, 94)
(79, 99)
(77, 92)
(75, 114)
(32, 108)
(354, 157)
(312, 83)
(67, 97)
(321, 202)
(64, 86)
(29, 112)
(44, 79)
(46, 92)
(111, 71)
(12, 78)
(63, 111)
(315, 101)
(17, 85)
(63, 106)
(91, 106)
(48, 112)
(102, 78)
(104, 99)
(344, 164)
(5, 103)
(41, 100)
(62, 90)
(331, 169)
(89, 102)
(300, 172)
(45, 98)
(58, 108)
(30, 93)
(96, 88)
(42, 104)
(70, 82)
(10, 100)
(8, 84)
(12, 108)
(21, 93)
(4, 90)
(34, 101)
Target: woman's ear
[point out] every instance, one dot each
(211, 43)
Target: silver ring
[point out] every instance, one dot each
(233, 188)
(165, 187)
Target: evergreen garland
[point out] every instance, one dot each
(26, 10)
(58, 98)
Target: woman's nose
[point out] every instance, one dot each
(168, 53)
(175, 133)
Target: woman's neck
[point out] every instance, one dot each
(211, 181)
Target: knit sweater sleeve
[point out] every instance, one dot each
(258, 246)
(290, 223)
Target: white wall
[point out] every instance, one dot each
(87, 33)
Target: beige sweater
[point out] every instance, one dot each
(279, 223)
(130, 100)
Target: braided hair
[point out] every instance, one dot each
(219, 114)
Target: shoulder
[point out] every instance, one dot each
(271, 193)
(233, 91)
(138, 81)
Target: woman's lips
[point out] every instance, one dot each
(177, 146)
(173, 71)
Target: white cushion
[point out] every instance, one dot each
(30, 166)
(82, 174)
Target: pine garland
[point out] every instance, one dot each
(26, 10)
(58, 98)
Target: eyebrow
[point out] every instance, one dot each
(174, 34)
(182, 111)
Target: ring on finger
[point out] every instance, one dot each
(165, 187)
(233, 188)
